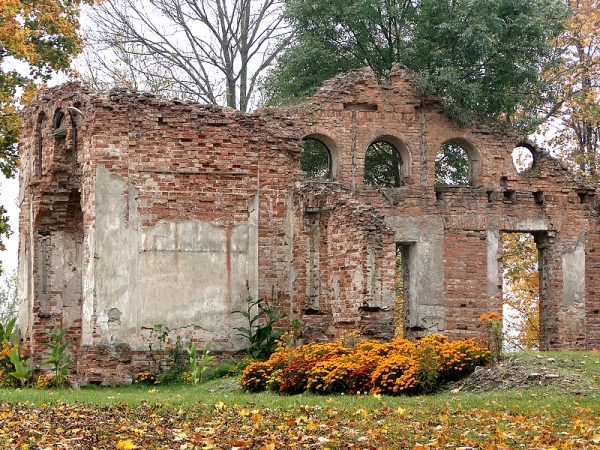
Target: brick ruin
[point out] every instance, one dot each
(137, 210)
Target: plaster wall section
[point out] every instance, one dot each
(186, 233)
(115, 307)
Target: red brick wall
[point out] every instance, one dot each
(465, 255)
(592, 285)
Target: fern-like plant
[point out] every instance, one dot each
(22, 368)
(58, 359)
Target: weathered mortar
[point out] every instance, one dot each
(145, 211)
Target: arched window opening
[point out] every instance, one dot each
(39, 145)
(523, 159)
(452, 165)
(59, 129)
(383, 165)
(315, 160)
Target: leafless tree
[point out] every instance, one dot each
(214, 51)
(9, 303)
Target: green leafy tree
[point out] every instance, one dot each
(334, 37)
(483, 57)
(315, 159)
(382, 165)
(451, 166)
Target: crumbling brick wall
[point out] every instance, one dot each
(136, 211)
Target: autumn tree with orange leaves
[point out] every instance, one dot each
(573, 132)
(575, 129)
(41, 37)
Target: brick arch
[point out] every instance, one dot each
(50, 211)
(403, 150)
(58, 121)
(334, 154)
(473, 155)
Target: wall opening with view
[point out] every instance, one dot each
(520, 291)
(452, 165)
(402, 288)
(383, 165)
(315, 160)
(523, 159)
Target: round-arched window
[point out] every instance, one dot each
(315, 159)
(452, 165)
(383, 165)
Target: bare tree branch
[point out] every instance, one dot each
(213, 51)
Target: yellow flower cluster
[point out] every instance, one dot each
(5, 365)
(395, 374)
(146, 378)
(392, 368)
(490, 316)
(44, 380)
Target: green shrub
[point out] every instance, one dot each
(260, 332)
(58, 359)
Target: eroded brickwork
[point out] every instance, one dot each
(137, 211)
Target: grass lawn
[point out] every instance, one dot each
(562, 412)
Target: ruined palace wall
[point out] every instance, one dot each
(441, 226)
(592, 287)
(51, 224)
(138, 211)
(182, 234)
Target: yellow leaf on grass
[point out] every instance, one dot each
(124, 445)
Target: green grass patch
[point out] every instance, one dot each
(217, 414)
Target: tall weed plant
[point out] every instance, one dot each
(260, 332)
(59, 358)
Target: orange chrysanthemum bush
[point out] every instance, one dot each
(459, 358)
(395, 375)
(256, 375)
(349, 373)
(392, 368)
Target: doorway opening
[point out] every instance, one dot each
(520, 291)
